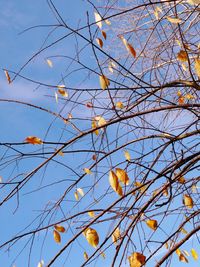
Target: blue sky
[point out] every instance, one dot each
(18, 122)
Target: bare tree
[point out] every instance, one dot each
(117, 162)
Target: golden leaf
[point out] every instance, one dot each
(41, 263)
(49, 62)
(178, 251)
(104, 82)
(104, 34)
(116, 235)
(119, 105)
(127, 155)
(119, 191)
(98, 20)
(122, 176)
(99, 42)
(88, 171)
(91, 214)
(174, 20)
(108, 22)
(189, 96)
(56, 236)
(76, 195)
(103, 255)
(182, 56)
(181, 180)
(153, 224)
(92, 237)
(63, 92)
(197, 66)
(131, 50)
(138, 184)
(183, 258)
(85, 255)
(136, 259)
(94, 125)
(194, 254)
(7, 76)
(113, 179)
(59, 228)
(101, 121)
(188, 201)
(183, 231)
(33, 140)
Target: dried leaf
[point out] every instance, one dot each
(108, 22)
(181, 100)
(63, 92)
(182, 56)
(116, 235)
(113, 179)
(98, 20)
(174, 20)
(94, 126)
(7, 76)
(122, 176)
(92, 237)
(181, 180)
(88, 171)
(85, 255)
(194, 254)
(138, 184)
(76, 195)
(56, 236)
(104, 34)
(153, 224)
(183, 258)
(119, 105)
(33, 140)
(91, 214)
(104, 82)
(49, 62)
(136, 259)
(131, 50)
(59, 228)
(99, 42)
(89, 105)
(183, 231)
(127, 155)
(188, 201)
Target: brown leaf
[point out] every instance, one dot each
(153, 224)
(56, 236)
(188, 201)
(59, 228)
(7, 76)
(136, 259)
(92, 237)
(33, 140)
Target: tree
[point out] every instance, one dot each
(115, 165)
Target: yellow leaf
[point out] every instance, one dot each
(122, 176)
(116, 235)
(63, 92)
(181, 180)
(188, 201)
(189, 96)
(91, 214)
(92, 237)
(101, 121)
(174, 20)
(80, 191)
(120, 191)
(85, 255)
(98, 20)
(99, 42)
(103, 255)
(153, 224)
(108, 22)
(166, 245)
(33, 140)
(113, 179)
(7, 76)
(59, 228)
(41, 263)
(183, 231)
(56, 236)
(136, 259)
(94, 125)
(183, 258)
(182, 56)
(127, 155)
(119, 105)
(138, 184)
(178, 251)
(197, 66)
(104, 82)
(88, 171)
(76, 195)
(194, 254)
(49, 62)
(104, 34)
(194, 188)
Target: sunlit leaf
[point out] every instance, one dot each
(178, 251)
(49, 62)
(101, 121)
(119, 105)
(127, 155)
(122, 176)
(113, 179)
(181, 100)
(108, 22)
(136, 259)
(56, 97)
(138, 184)
(104, 34)
(98, 20)
(92, 237)
(194, 254)
(104, 82)
(41, 263)
(174, 20)
(80, 191)
(103, 255)
(56, 236)
(88, 171)
(181, 180)
(153, 224)
(183, 258)
(94, 126)
(131, 50)
(197, 66)
(183, 231)
(91, 214)
(76, 195)
(63, 92)
(33, 140)
(182, 56)
(99, 42)
(186, 253)
(7, 76)
(188, 201)
(59, 228)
